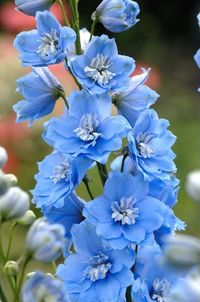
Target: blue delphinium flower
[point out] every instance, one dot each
(125, 213)
(40, 90)
(150, 146)
(101, 68)
(30, 7)
(185, 289)
(45, 242)
(197, 57)
(137, 97)
(45, 45)
(88, 128)
(68, 215)
(95, 272)
(117, 15)
(41, 287)
(59, 174)
(153, 280)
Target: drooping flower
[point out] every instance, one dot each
(125, 213)
(88, 128)
(45, 242)
(42, 287)
(117, 15)
(150, 146)
(59, 173)
(45, 45)
(40, 90)
(101, 69)
(30, 7)
(136, 98)
(95, 272)
(13, 204)
(68, 215)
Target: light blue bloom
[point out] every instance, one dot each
(45, 45)
(45, 242)
(125, 213)
(153, 280)
(117, 15)
(150, 146)
(88, 128)
(101, 68)
(41, 287)
(137, 97)
(59, 174)
(40, 90)
(3, 157)
(197, 57)
(68, 215)
(30, 7)
(95, 272)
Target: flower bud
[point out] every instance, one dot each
(3, 183)
(117, 15)
(13, 204)
(11, 268)
(30, 7)
(11, 179)
(45, 242)
(183, 250)
(3, 157)
(192, 185)
(27, 219)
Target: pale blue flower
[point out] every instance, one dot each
(30, 7)
(101, 69)
(45, 242)
(197, 57)
(59, 173)
(42, 287)
(117, 15)
(150, 145)
(48, 44)
(95, 272)
(125, 213)
(137, 97)
(88, 128)
(40, 90)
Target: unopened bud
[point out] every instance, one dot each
(11, 179)
(3, 183)
(27, 219)
(11, 268)
(3, 157)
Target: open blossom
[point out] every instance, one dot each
(45, 45)
(150, 146)
(40, 90)
(101, 68)
(117, 15)
(42, 287)
(95, 272)
(135, 98)
(125, 213)
(30, 7)
(87, 129)
(59, 174)
(45, 242)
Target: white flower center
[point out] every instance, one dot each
(143, 145)
(160, 290)
(86, 130)
(124, 211)
(98, 267)
(49, 43)
(99, 70)
(62, 171)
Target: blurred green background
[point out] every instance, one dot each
(165, 39)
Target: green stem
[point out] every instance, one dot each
(75, 80)
(13, 225)
(85, 180)
(123, 161)
(102, 172)
(2, 295)
(95, 21)
(21, 277)
(65, 101)
(75, 14)
(64, 12)
(128, 294)
(2, 255)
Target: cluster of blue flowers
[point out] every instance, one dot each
(114, 243)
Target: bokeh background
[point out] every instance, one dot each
(165, 39)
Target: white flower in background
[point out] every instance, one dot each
(192, 185)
